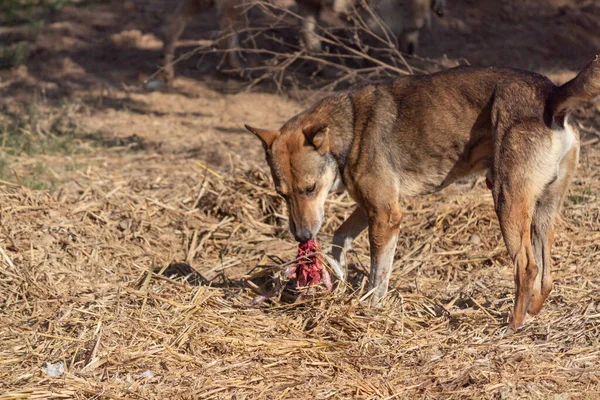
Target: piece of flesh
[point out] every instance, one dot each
(309, 269)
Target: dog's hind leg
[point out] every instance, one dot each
(542, 229)
(185, 11)
(343, 237)
(515, 212)
(527, 158)
(542, 236)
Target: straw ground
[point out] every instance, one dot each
(84, 283)
(136, 228)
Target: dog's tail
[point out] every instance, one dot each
(584, 87)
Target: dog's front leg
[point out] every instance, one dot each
(383, 237)
(344, 236)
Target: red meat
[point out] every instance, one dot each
(309, 269)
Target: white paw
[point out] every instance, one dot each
(337, 268)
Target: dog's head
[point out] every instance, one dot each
(303, 170)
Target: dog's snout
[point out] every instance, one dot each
(303, 236)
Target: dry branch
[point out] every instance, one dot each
(272, 52)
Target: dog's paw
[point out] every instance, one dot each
(508, 331)
(338, 270)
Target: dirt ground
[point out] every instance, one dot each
(106, 184)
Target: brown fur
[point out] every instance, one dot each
(418, 134)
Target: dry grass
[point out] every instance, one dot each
(92, 271)
(83, 282)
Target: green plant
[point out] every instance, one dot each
(32, 133)
(584, 196)
(14, 55)
(19, 11)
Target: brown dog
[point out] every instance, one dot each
(418, 134)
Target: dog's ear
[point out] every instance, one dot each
(266, 137)
(318, 135)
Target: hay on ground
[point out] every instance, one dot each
(139, 279)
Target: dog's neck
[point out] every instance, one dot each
(337, 112)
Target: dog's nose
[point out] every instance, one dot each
(303, 236)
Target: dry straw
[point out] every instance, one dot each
(139, 278)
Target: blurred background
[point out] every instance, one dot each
(104, 56)
(69, 43)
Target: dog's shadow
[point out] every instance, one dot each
(270, 291)
(261, 279)
(264, 280)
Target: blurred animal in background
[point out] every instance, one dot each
(404, 19)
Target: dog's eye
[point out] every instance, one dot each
(311, 189)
